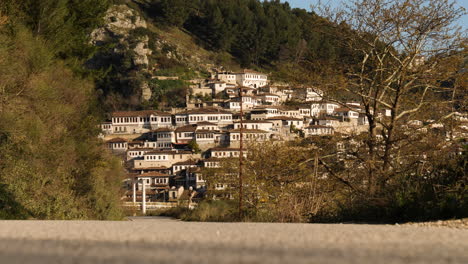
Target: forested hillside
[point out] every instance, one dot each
(257, 33)
(189, 38)
(52, 165)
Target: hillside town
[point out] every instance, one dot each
(164, 152)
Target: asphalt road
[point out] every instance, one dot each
(168, 241)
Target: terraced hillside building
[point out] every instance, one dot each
(137, 122)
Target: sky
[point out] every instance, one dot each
(306, 5)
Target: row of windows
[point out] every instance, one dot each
(252, 76)
(205, 136)
(140, 119)
(249, 136)
(117, 145)
(226, 154)
(156, 157)
(164, 135)
(252, 126)
(135, 153)
(211, 164)
(160, 180)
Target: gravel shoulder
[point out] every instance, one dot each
(458, 223)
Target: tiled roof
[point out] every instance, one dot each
(206, 131)
(212, 159)
(170, 152)
(224, 149)
(187, 162)
(213, 111)
(151, 168)
(205, 123)
(140, 149)
(335, 118)
(284, 118)
(139, 113)
(319, 126)
(116, 140)
(247, 131)
(188, 128)
(343, 109)
(268, 94)
(153, 174)
(254, 122)
(163, 129)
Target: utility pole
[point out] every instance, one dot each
(143, 194)
(240, 153)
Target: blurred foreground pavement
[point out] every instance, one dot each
(160, 240)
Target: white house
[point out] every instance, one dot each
(164, 137)
(185, 134)
(329, 121)
(248, 102)
(207, 137)
(213, 115)
(163, 158)
(317, 130)
(106, 128)
(253, 135)
(347, 113)
(183, 165)
(323, 108)
(286, 121)
(263, 112)
(269, 98)
(137, 153)
(117, 144)
(139, 121)
(251, 78)
(227, 77)
(255, 124)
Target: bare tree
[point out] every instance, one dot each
(402, 46)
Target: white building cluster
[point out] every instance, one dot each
(165, 153)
